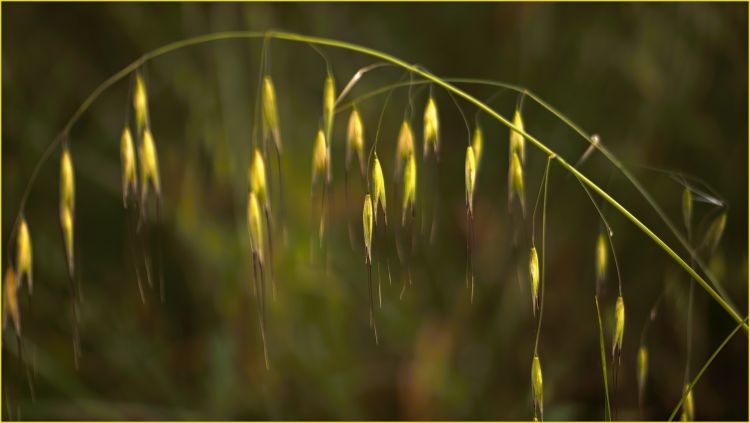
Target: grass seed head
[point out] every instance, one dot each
(270, 112)
(517, 141)
(619, 326)
(405, 145)
(355, 140)
(516, 181)
(431, 128)
(687, 207)
(140, 102)
(688, 407)
(149, 165)
(602, 257)
(255, 225)
(477, 144)
(410, 186)
(642, 369)
(470, 176)
(127, 161)
(258, 182)
(537, 385)
(329, 102)
(715, 231)
(320, 156)
(67, 181)
(24, 259)
(534, 277)
(10, 301)
(367, 220)
(378, 189)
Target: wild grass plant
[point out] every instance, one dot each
(143, 190)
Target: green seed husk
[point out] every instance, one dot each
(619, 326)
(642, 364)
(602, 258)
(516, 181)
(405, 146)
(378, 189)
(517, 141)
(10, 301)
(127, 161)
(534, 279)
(478, 145)
(149, 166)
(67, 204)
(715, 231)
(687, 207)
(140, 102)
(255, 225)
(410, 187)
(258, 182)
(537, 386)
(24, 262)
(355, 140)
(470, 176)
(431, 128)
(271, 113)
(320, 156)
(367, 220)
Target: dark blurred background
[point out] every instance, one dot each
(664, 85)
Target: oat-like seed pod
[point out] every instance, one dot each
(715, 231)
(329, 102)
(534, 277)
(410, 187)
(431, 128)
(367, 219)
(140, 102)
(254, 225)
(355, 141)
(688, 407)
(24, 262)
(619, 326)
(320, 156)
(405, 145)
(270, 112)
(516, 178)
(537, 385)
(67, 204)
(127, 161)
(149, 165)
(258, 178)
(470, 176)
(517, 141)
(478, 144)
(602, 257)
(687, 207)
(10, 301)
(378, 189)
(642, 370)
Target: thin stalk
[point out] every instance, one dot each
(438, 81)
(607, 410)
(544, 256)
(705, 366)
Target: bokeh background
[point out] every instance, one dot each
(664, 85)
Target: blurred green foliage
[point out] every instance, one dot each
(664, 85)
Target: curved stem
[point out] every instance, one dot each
(438, 81)
(544, 255)
(703, 369)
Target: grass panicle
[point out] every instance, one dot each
(320, 157)
(404, 147)
(258, 181)
(534, 279)
(67, 205)
(378, 190)
(149, 162)
(409, 188)
(355, 141)
(537, 387)
(140, 103)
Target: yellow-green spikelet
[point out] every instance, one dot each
(470, 176)
(270, 112)
(127, 161)
(67, 204)
(258, 182)
(355, 140)
(517, 141)
(367, 220)
(534, 279)
(25, 255)
(378, 189)
(149, 165)
(619, 326)
(410, 186)
(10, 301)
(320, 156)
(254, 225)
(140, 103)
(602, 257)
(478, 145)
(537, 385)
(431, 128)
